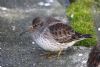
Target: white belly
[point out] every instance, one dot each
(52, 45)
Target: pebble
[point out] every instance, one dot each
(80, 55)
(99, 29)
(41, 3)
(13, 28)
(84, 61)
(50, 1)
(33, 42)
(47, 4)
(3, 8)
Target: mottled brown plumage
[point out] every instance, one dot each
(62, 32)
(53, 34)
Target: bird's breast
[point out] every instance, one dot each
(47, 44)
(50, 44)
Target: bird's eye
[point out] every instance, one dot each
(41, 24)
(35, 25)
(38, 25)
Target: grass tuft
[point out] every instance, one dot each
(82, 20)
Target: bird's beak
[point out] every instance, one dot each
(30, 29)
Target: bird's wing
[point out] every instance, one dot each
(62, 32)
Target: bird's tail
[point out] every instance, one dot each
(86, 36)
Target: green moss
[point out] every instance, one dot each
(82, 20)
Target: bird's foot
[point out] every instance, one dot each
(51, 55)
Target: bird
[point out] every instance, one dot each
(94, 57)
(54, 35)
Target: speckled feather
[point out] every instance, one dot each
(62, 33)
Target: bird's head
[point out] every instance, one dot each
(37, 25)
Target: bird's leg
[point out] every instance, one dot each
(47, 54)
(50, 55)
(59, 53)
